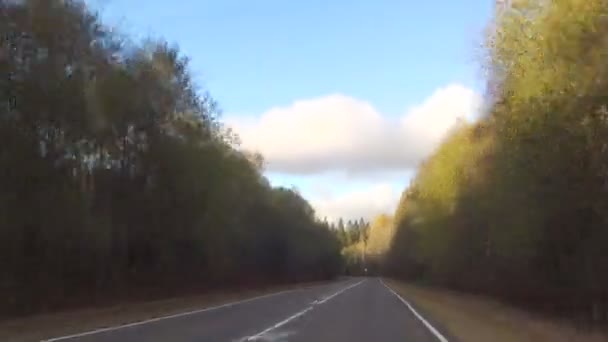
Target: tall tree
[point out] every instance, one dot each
(514, 204)
(112, 157)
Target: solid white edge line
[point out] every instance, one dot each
(435, 332)
(298, 314)
(122, 326)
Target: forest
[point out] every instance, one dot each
(119, 180)
(515, 205)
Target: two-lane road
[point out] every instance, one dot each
(355, 310)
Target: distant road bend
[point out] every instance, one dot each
(353, 310)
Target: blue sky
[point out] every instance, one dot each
(383, 58)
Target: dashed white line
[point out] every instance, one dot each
(101, 330)
(435, 332)
(278, 325)
(337, 293)
(298, 314)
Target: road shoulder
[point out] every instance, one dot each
(478, 319)
(435, 327)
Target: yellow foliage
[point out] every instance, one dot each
(381, 233)
(516, 204)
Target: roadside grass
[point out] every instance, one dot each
(471, 318)
(38, 327)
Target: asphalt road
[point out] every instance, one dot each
(353, 310)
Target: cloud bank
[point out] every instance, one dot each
(366, 202)
(338, 132)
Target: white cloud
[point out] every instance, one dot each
(335, 195)
(366, 202)
(427, 123)
(351, 160)
(341, 133)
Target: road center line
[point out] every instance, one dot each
(278, 325)
(298, 314)
(152, 320)
(337, 293)
(435, 332)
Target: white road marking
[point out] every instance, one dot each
(278, 325)
(276, 336)
(316, 302)
(435, 332)
(261, 335)
(101, 330)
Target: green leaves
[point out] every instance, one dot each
(118, 178)
(510, 205)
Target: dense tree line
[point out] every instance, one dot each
(350, 233)
(364, 243)
(353, 236)
(118, 179)
(516, 204)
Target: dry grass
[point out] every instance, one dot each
(471, 318)
(40, 327)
